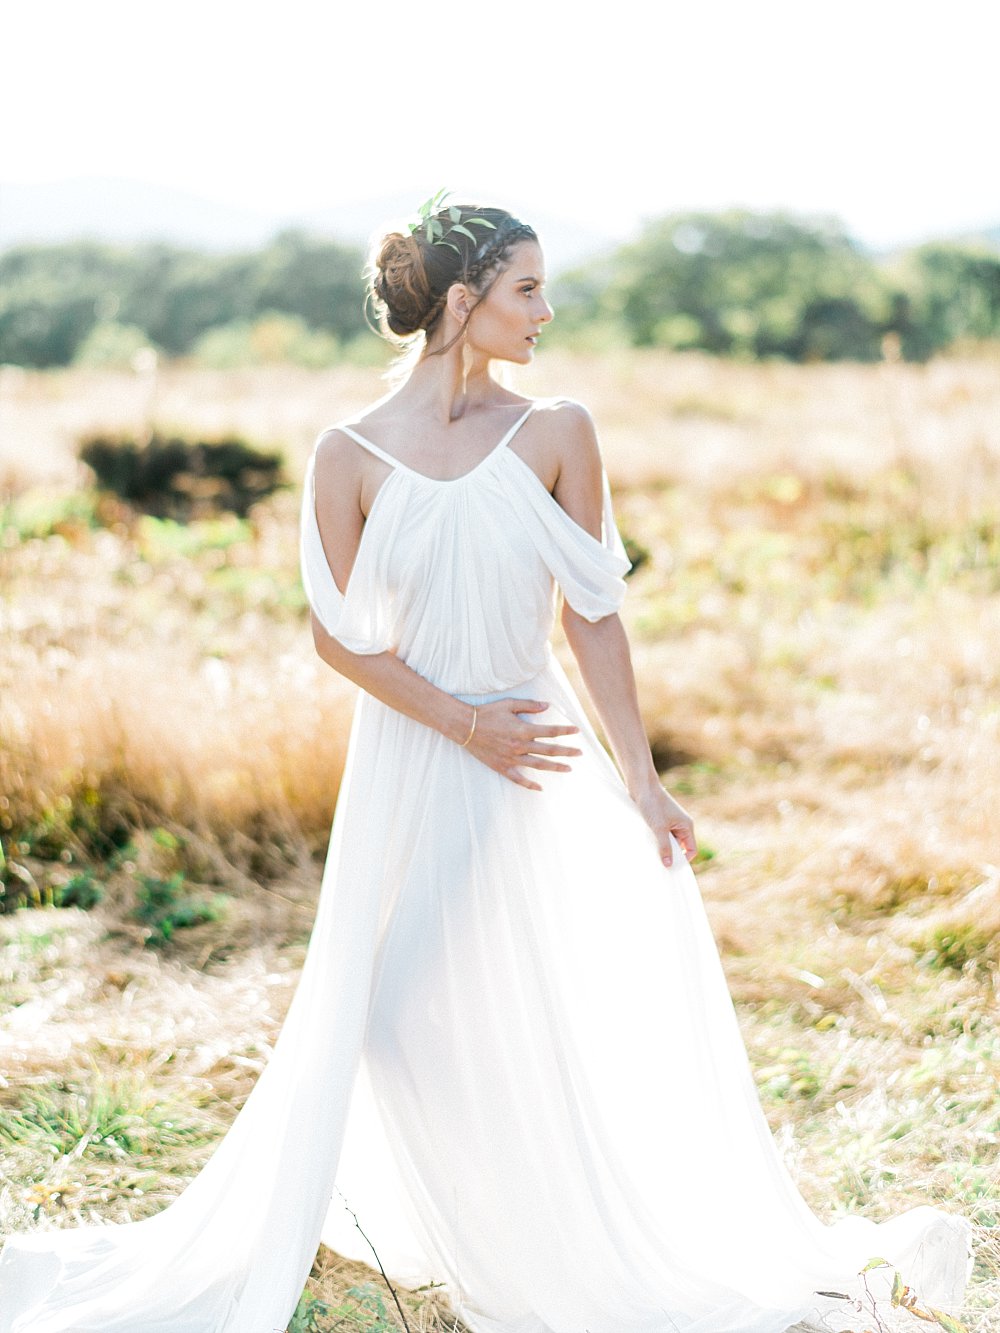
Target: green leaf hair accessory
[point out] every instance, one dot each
(434, 229)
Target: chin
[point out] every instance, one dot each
(520, 355)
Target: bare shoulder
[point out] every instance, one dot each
(570, 438)
(566, 417)
(336, 449)
(339, 463)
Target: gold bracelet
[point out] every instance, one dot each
(475, 719)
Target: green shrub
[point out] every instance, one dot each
(173, 477)
(96, 818)
(363, 1308)
(81, 890)
(110, 345)
(955, 948)
(273, 339)
(43, 512)
(636, 552)
(167, 905)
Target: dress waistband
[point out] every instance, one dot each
(525, 689)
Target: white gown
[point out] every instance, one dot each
(556, 1115)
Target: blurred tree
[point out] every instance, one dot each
(735, 283)
(749, 284)
(110, 345)
(274, 338)
(952, 292)
(314, 279)
(52, 297)
(179, 294)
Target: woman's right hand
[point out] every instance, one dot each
(506, 742)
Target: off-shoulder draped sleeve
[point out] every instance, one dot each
(591, 573)
(359, 618)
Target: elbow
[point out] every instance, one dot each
(343, 660)
(320, 636)
(327, 647)
(324, 654)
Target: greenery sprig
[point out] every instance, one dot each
(434, 229)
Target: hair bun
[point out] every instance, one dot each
(401, 283)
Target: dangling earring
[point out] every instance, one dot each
(466, 362)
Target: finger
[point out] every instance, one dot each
(527, 705)
(687, 840)
(554, 731)
(512, 775)
(531, 762)
(684, 838)
(556, 749)
(666, 851)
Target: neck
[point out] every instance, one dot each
(451, 384)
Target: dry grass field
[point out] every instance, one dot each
(816, 629)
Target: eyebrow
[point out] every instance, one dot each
(530, 277)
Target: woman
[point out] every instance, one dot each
(554, 1113)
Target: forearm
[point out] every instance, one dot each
(602, 651)
(390, 680)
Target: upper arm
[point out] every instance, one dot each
(579, 487)
(337, 482)
(579, 484)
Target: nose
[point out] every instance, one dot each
(547, 311)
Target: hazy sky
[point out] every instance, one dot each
(884, 112)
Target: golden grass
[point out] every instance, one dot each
(816, 632)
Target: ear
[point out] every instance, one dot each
(459, 302)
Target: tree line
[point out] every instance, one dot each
(735, 283)
(758, 285)
(54, 297)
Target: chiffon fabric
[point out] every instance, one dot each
(512, 1048)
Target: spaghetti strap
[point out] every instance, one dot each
(513, 430)
(372, 448)
(400, 466)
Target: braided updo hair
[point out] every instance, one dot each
(410, 274)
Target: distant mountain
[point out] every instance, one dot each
(566, 242)
(987, 235)
(129, 211)
(125, 211)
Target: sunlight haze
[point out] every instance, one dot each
(882, 114)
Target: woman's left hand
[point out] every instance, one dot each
(665, 816)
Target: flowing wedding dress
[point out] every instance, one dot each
(552, 1112)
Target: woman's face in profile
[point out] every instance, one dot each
(506, 323)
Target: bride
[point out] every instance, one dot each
(512, 1047)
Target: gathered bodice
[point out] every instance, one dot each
(458, 577)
